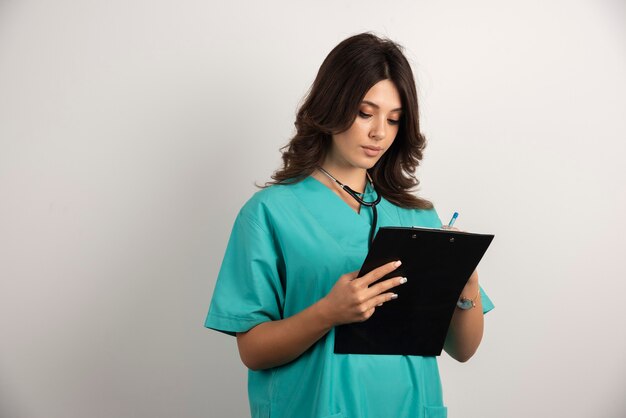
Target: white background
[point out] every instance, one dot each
(131, 132)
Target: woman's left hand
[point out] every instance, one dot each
(466, 328)
(451, 228)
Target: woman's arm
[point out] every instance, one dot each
(274, 343)
(466, 327)
(351, 299)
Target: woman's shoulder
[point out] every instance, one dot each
(266, 201)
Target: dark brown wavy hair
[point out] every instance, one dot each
(332, 104)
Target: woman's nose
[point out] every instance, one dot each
(378, 130)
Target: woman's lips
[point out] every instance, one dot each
(371, 151)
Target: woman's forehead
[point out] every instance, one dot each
(383, 95)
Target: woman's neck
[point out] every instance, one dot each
(351, 176)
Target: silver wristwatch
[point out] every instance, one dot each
(465, 303)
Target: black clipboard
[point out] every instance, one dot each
(437, 264)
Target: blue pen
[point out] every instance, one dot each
(454, 216)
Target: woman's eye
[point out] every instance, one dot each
(393, 122)
(364, 115)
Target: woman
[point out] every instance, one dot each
(289, 273)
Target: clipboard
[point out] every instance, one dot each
(437, 264)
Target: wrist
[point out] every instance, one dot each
(470, 296)
(323, 312)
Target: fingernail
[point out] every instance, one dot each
(380, 304)
(397, 263)
(403, 280)
(394, 296)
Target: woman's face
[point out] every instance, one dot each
(373, 130)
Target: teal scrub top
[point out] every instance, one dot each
(288, 246)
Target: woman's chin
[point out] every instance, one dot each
(366, 164)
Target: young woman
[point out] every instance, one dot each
(289, 275)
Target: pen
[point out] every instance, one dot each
(454, 216)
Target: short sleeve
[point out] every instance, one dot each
(248, 290)
(486, 301)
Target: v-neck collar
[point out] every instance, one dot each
(350, 230)
(368, 195)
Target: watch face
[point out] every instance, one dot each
(465, 304)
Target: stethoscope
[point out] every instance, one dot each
(356, 197)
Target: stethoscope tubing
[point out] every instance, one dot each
(356, 196)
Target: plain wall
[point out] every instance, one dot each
(131, 132)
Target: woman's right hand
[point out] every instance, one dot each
(274, 343)
(352, 299)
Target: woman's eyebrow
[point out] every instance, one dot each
(398, 109)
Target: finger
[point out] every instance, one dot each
(379, 272)
(385, 297)
(368, 314)
(351, 276)
(385, 285)
(451, 228)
